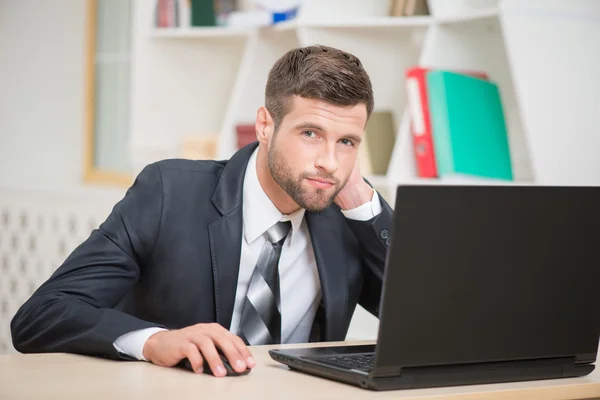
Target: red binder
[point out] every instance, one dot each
(420, 121)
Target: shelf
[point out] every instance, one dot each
(372, 22)
(459, 180)
(362, 23)
(200, 32)
(359, 23)
(283, 26)
(474, 16)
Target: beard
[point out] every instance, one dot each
(311, 200)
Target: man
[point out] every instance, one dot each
(276, 245)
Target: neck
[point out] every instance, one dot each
(276, 194)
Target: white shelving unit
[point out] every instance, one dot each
(205, 80)
(231, 65)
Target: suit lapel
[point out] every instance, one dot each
(225, 234)
(225, 246)
(332, 273)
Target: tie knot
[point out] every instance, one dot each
(279, 231)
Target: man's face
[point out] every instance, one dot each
(314, 150)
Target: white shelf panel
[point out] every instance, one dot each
(474, 16)
(371, 22)
(384, 181)
(283, 26)
(200, 32)
(459, 180)
(360, 23)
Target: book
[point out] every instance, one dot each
(378, 143)
(416, 7)
(245, 134)
(397, 8)
(203, 13)
(420, 121)
(468, 126)
(166, 14)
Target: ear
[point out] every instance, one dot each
(264, 125)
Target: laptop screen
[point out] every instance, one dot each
(491, 273)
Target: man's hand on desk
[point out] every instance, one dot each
(168, 348)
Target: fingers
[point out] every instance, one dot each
(225, 343)
(202, 344)
(190, 350)
(244, 351)
(209, 352)
(233, 347)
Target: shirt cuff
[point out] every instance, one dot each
(366, 211)
(132, 343)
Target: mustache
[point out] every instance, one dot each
(328, 178)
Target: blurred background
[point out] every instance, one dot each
(91, 91)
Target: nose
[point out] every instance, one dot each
(326, 160)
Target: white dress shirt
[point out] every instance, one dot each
(299, 282)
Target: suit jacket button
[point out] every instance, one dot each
(384, 234)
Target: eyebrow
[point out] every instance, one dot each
(308, 125)
(317, 127)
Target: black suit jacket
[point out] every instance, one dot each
(168, 255)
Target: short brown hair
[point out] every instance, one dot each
(317, 72)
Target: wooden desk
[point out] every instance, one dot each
(65, 376)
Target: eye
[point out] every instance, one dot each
(347, 142)
(309, 134)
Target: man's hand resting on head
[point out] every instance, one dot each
(356, 192)
(196, 343)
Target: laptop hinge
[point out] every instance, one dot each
(387, 372)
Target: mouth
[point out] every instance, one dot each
(320, 183)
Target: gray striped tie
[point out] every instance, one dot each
(261, 315)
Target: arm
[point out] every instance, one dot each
(373, 234)
(370, 219)
(73, 310)
(132, 343)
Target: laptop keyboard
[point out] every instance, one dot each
(362, 362)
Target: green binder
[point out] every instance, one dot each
(468, 127)
(203, 13)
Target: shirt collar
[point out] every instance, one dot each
(259, 212)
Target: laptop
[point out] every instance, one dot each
(483, 284)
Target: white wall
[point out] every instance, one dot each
(554, 50)
(41, 92)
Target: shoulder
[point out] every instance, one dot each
(182, 170)
(177, 173)
(175, 165)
